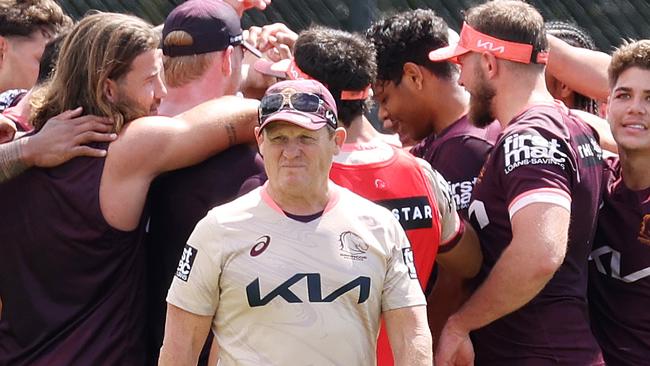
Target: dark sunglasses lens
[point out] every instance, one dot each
(271, 104)
(305, 102)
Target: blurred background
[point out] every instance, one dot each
(608, 21)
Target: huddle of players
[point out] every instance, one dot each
(542, 167)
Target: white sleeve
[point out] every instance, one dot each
(451, 226)
(401, 286)
(195, 286)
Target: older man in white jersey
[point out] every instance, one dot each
(300, 270)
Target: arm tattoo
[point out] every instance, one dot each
(232, 134)
(11, 162)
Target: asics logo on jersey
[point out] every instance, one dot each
(352, 246)
(529, 149)
(314, 291)
(260, 246)
(185, 264)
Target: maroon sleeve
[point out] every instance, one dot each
(535, 162)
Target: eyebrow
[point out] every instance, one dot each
(629, 89)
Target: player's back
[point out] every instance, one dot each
(69, 281)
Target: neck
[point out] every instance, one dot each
(516, 92)
(449, 109)
(635, 169)
(183, 98)
(360, 130)
(300, 202)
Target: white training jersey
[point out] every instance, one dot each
(284, 292)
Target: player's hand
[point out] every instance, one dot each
(7, 129)
(241, 6)
(276, 40)
(65, 136)
(454, 346)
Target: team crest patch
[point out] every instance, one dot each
(644, 232)
(407, 253)
(186, 262)
(352, 246)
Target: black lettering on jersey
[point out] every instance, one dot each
(530, 149)
(314, 294)
(407, 254)
(412, 212)
(186, 262)
(589, 150)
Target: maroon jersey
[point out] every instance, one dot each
(619, 272)
(71, 285)
(178, 200)
(460, 139)
(543, 155)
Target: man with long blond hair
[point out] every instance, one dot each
(72, 269)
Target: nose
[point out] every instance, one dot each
(387, 124)
(291, 150)
(382, 113)
(637, 106)
(160, 90)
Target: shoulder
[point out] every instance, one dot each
(352, 203)
(238, 210)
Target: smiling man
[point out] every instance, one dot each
(619, 277)
(299, 270)
(72, 268)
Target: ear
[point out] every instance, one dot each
(413, 74)
(565, 91)
(110, 90)
(259, 136)
(339, 139)
(4, 44)
(226, 61)
(490, 65)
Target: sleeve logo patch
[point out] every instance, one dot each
(407, 254)
(186, 262)
(528, 149)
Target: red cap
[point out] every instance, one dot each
(310, 121)
(472, 40)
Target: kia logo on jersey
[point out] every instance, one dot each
(260, 246)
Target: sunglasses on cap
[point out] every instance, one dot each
(301, 102)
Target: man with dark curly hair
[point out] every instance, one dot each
(422, 100)
(25, 28)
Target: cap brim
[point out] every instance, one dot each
(276, 69)
(302, 119)
(252, 49)
(449, 53)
